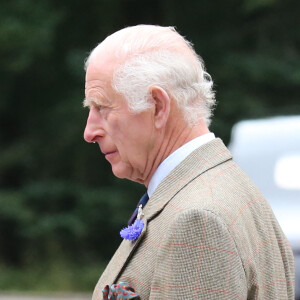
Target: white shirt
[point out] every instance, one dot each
(175, 158)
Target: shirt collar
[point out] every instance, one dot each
(175, 158)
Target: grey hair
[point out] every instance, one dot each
(154, 55)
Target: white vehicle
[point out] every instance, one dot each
(269, 151)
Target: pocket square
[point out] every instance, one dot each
(122, 290)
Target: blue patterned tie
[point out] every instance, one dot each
(143, 201)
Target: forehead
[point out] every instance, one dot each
(102, 63)
(99, 72)
(103, 60)
(98, 76)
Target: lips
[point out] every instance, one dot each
(108, 152)
(109, 155)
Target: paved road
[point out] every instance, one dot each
(56, 296)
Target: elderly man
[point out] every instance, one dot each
(206, 231)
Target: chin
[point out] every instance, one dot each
(124, 172)
(121, 172)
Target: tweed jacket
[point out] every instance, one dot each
(209, 234)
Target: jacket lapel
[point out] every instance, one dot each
(198, 162)
(201, 160)
(119, 260)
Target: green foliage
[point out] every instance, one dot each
(53, 219)
(27, 30)
(44, 277)
(60, 205)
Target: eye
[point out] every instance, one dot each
(99, 107)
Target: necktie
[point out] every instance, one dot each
(142, 201)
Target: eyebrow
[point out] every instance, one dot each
(87, 102)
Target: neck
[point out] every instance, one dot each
(170, 141)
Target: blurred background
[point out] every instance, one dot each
(61, 209)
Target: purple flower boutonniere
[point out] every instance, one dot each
(132, 232)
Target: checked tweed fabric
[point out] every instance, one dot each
(208, 234)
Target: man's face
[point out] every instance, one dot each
(126, 139)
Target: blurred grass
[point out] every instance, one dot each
(58, 277)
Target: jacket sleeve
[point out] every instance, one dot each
(198, 259)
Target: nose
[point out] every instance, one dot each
(94, 127)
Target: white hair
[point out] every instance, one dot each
(154, 55)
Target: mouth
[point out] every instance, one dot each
(109, 154)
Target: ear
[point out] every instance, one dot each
(162, 106)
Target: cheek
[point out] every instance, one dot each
(114, 128)
(131, 136)
(122, 139)
(131, 147)
(122, 130)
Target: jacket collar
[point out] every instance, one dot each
(199, 161)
